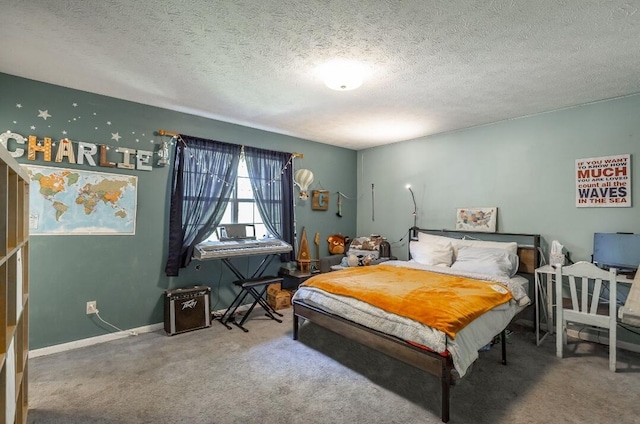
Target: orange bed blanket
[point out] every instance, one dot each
(444, 302)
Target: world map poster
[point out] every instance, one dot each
(71, 201)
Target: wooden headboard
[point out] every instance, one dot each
(528, 244)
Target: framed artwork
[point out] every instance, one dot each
(477, 219)
(319, 200)
(603, 182)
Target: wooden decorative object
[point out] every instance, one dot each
(304, 257)
(320, 200)
(34, 147)
(66, 150)
(316, 241)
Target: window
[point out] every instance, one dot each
(242, 207)
(205, 171)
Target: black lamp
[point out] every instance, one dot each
(414, 229)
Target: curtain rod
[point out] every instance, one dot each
(169, 133)
(175, 134)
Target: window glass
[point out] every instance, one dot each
(261, 231)
(227, 217)
(242, 168)
(245, 213)
(242, 208)
(257, 218)
(244, 188)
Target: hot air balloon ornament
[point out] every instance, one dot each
(303, 179)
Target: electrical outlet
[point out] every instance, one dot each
(92, 307)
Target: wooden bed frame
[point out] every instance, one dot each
(431, 362)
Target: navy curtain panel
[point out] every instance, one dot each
(204, 172)
(271, 175)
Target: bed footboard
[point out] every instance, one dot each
(440, 366)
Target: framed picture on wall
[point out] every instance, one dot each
(319, 200)
(477, 219)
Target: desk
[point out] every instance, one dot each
(544, 284)
(544, 278)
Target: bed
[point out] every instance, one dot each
(350, 302)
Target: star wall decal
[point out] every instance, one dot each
(44, 114)
(74, 104)
(33, 127)
(115, 136)
(18, 105)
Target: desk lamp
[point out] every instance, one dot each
(414, 229)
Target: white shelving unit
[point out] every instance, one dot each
(14, 290)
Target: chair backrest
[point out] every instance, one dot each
(585, 302)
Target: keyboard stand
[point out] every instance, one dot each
(256, 274)
(256, 287)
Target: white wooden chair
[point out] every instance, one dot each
(584, 306)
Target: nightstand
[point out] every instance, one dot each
(292, 279)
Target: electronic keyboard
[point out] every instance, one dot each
(240, 247)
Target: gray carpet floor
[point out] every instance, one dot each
(220, 376)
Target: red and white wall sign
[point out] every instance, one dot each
(603, 182)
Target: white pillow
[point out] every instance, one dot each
(431, 239)
(483, 260)
(431, 253)
(511, 247)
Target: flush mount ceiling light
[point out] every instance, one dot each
(342, 75)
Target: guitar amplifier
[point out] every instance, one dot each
(186, 309)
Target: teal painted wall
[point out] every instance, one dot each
(525, 167)
(125, 274)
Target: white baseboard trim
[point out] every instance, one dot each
(49, 350)
(63, 347)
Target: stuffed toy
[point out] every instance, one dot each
(367, 243)
(357, 260)
(336, 244)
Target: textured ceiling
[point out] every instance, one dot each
(433, 65)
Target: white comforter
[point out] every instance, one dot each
(463, 349)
